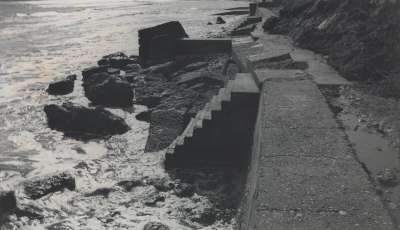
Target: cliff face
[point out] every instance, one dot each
(360, 37)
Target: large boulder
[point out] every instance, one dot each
(113, 91)
(92, 70)
(117, 60)
(95, 78)
(62, 87)
(164, 33)
(78, 121)
(41, 186)
(8, 202)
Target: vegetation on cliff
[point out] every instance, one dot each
(359, 37)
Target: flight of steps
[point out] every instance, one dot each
(220, 133)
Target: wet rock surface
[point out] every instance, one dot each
(78, 121)
(114, 92)
(39, 187)
(155, 226)
(175, 91)
(117, 60)
(62, 87)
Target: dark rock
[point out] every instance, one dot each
(112, 92)
(153, 198)
(131, 77)
(173, 29)
(95, 78)
(207, 216)
(162, 184)
(195, 66)
(144, 116)
(387, 178)
(62, 87)
(92, 70)
(165, 126)
(165, 69)
(129, 184)
(78, 121)
(8, 202)
(132, 68)
(220, 20)
(113, 71)
(155, 226)
(30, 211)
(209, 23)
(180, 100)
(105, 192)
(191, 67)
(245, 30)
(198, 86)
(149, 101)
(64, 225)
(82, 165)
(117, 60)
(192, 78)
(184, 190)
(270, 23)
(38, 187)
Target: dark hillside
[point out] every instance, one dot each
(360, 37)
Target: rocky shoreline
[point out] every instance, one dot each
(173, 92)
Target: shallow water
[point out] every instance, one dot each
(44, 40)
(372, 148)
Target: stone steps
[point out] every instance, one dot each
(206, 122)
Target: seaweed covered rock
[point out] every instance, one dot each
(359, 37)
(79, 121)
(41, 186)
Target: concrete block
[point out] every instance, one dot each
(161, 49)
(173, 29)
(253, 8)
(203, 46)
